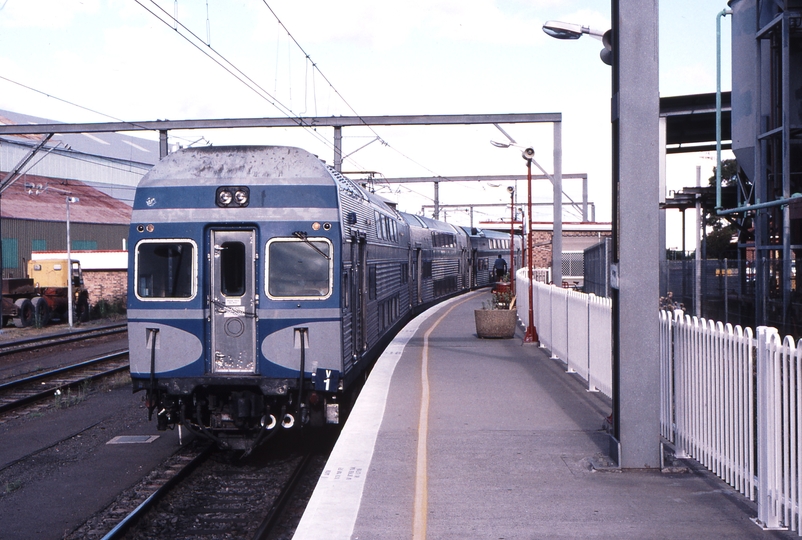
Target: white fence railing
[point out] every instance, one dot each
(574, 326)
(779, 430)
(729, 400)
(712, 417)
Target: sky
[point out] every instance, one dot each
(137, 60)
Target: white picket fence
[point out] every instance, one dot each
(779, 430)
(708, 409)
(730, 400)
(575, 326)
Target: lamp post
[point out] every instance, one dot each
(512, 240)
(531, 332)
(69, 261)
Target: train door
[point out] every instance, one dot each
(358, 294)
(474, 263)
(419, 275)
(410, 277)
(233, 301)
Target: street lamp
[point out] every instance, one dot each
(556, 181)
(69, 261)
(563, 30)
(633, 53)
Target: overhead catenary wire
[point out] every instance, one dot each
(315, 67)
(222, 61)
(231, 68)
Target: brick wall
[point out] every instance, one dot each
(109, 285)
(541, 242)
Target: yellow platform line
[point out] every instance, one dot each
(421, 471)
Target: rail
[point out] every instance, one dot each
(19, 392)
(59, 338)
(172, 477)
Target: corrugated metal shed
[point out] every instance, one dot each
(111, 162)
(117, 146)
(39, 198)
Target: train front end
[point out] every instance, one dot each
(234, 302)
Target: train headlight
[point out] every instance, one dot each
(224, 197)
(242, 196)
(233, 195)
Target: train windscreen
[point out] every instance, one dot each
(299, 268)
(165, 270)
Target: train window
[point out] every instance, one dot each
(299, 268)
(232, 268)
(165, 269)
(427, 269)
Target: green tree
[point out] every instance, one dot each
(721, 241)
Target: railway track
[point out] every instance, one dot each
(204, 493)
(45, 385)
(61, 338)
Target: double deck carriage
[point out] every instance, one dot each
(264, 286)
(486, 246)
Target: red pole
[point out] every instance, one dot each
(512, 243)
(531, 331)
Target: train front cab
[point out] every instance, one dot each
(234, 313)
(269, 324)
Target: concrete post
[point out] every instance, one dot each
(636, 172)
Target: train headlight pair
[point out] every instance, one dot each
(232, 195)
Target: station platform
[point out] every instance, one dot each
(456, 437)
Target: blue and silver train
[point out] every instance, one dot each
(264, 285)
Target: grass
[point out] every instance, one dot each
(69, 398)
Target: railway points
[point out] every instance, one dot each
(515, 449)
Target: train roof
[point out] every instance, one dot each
(242, 164)
(483, 233)
(429, 223)
(490, 233)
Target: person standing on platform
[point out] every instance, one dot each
(500, 267)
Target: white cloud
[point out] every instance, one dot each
(44, 13)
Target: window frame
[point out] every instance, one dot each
(285, 239)
(193, 271)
